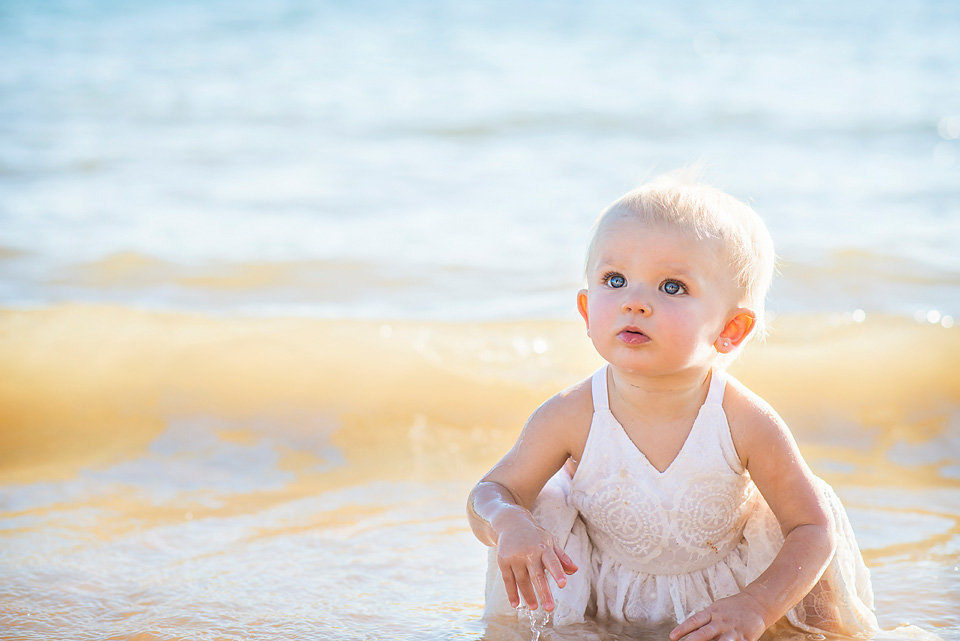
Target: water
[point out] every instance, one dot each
(280, 281)
(538, 619)
(271, 478)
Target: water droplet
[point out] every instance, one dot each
(538, 620)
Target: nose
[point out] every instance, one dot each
(634, 303)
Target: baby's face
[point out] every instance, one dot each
(656, 298)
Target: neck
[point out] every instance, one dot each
(663, 397)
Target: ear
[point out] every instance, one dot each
(737, 329)
(582, 307)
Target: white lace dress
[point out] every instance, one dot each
(659, 546)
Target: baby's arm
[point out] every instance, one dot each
(770, 454)
(499, 506)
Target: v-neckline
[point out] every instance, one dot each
(643, 455)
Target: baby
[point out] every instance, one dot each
(661, 489)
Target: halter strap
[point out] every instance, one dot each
(718, 384)
(598, 384)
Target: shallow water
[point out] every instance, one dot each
(169, 476)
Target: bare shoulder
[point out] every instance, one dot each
(768, 450)
(567, 415)
(554, 433)
(754, 424)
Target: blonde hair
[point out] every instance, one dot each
(705, 212)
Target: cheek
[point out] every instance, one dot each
(682, 325)
(602, 310)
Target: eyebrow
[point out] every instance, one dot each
(679, 270)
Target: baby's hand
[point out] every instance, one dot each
(736, 618)
(525, 553)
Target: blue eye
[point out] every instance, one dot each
(616, 281)
(673, 287)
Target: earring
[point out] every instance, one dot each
(724, 344)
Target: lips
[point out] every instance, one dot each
(633, 336)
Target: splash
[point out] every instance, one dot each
(538, 620)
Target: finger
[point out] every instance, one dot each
(553, 565)
(510, 583)
(690, 624)
(539, 578)
(526, 587)
(706, 633)
(565, 561)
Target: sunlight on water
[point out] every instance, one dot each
(250, 505)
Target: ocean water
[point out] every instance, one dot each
(279, 281)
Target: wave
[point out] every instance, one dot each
(128, 269)
(839, 279)
(85, 385)
(654, 125)
(870, 265)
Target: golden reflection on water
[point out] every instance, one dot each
(171, 475)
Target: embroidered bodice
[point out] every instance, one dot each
(682, 519)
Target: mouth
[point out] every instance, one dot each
(633, 336)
